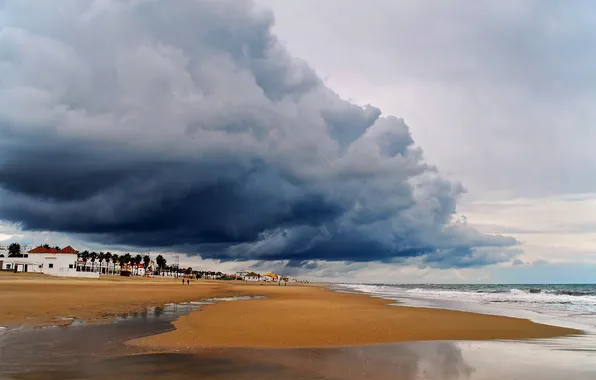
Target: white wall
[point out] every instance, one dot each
(50, 263)
(56, 263)
(76, 274)
(10, 262)
(60, 265)
(7, 265)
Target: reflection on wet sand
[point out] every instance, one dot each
(45, 348)
(434, 360)
(406, 361)
(97, 352)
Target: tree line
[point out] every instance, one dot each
(105, 258)
(123, 260)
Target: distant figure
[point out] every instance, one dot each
(182, 280)
(188, 281)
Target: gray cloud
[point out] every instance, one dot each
(192, 127)
(498, 92)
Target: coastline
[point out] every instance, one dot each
(291, 316)
(307, 317)
(98, 351)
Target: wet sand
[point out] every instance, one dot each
(317, 317)
(98, 351)
(37, 300)
(405, 361)
(290, 316)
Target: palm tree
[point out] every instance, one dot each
(161, 263)
(93, 256)
(108, 256)
(101, 257)
(131, 262)
(85, 257)
(115, 259)
(146, 262)
(137, 260)
(124, 259)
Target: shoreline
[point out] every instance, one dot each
(327, 318)
(293, 316)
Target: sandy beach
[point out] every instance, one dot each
(297, 332)
(290, 316)
(35, 300)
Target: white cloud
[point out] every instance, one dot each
(498, 93)
(557, 228)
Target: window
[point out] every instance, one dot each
(7, 266)
(50, 266)
(70, 266)
(41, 266)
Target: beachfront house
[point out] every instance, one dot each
(44, 260)
(138, 269)
(252, 276)
(269, 277)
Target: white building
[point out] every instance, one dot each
(252, 276)
(44, 260)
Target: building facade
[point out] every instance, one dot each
(44, 260)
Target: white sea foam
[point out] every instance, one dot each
(531, 299)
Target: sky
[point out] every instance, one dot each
(379, 141)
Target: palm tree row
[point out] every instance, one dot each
(207, 274)
(122, 260)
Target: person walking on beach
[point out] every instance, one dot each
(188, 281)
(182, 280)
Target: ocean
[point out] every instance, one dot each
(565, 302)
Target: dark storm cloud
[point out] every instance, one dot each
(143, 124)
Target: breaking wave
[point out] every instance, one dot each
(571, 299)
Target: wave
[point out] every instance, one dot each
(549, 297)
(578, 293)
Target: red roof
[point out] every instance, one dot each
(69, 249)
(42, 249)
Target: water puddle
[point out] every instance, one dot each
(34, 349)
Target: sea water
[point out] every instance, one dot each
(574, 302)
